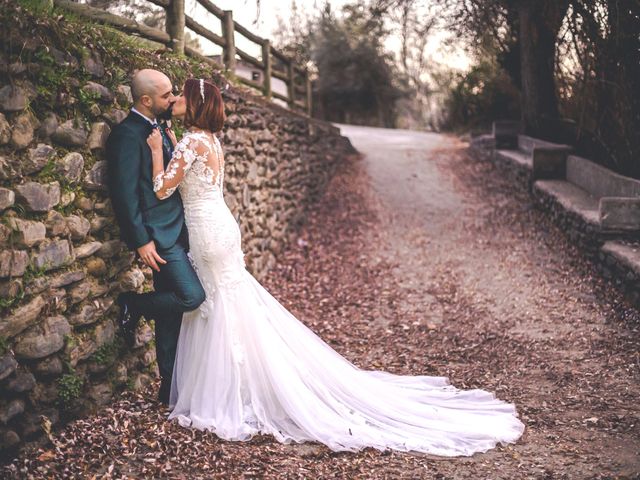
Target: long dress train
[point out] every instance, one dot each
(246, 365)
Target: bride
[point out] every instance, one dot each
(245, 365)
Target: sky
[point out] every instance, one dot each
(264, 24)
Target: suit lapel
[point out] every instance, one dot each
(144, 127)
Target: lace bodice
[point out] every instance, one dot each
(197, 167)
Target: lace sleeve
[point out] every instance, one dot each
(166, 182)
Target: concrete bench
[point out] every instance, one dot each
(529, 157)
(596, 207)
(620, 262)
(600, 197)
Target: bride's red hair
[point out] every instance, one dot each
(207, 114)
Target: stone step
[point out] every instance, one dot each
(572, 198)
(626, 255)
(620, 213)
(516, 157)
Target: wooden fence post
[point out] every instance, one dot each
(291, 84)
(266, 63)
(229, 50)
(175, 24)
(307, 81)
(174, 37)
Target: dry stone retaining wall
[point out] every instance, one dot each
(61, 260)
(619, 262)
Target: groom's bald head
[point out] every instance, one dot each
(149, 82)
(151, 92)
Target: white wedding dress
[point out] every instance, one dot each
(245, 365)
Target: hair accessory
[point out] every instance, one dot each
(202, 88)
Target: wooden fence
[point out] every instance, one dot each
(272, 64)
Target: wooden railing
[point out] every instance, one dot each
(295, 77)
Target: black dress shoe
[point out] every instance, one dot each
(127, 319)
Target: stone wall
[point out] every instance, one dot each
(619, 261)
(61, 261)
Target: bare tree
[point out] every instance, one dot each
(417, 22)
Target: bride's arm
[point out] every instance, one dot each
(166, 181)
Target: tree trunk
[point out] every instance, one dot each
(618, 69)
(509, 56)
(539, 23)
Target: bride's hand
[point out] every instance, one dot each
(154, 140)
(172, 136)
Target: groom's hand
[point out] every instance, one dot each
(150, 257)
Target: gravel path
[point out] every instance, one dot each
(418, 259)
(516, 309)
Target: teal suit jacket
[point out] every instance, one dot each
(142, 217)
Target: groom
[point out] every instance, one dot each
(153, 228)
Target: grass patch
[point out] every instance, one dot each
(87, 100)
(107, 353)
(40, 7)
(4, 345)
(32, 272)
(129, 384)
(70, 342)
(7, 303)
(57, 35)
(69, 389)
(49, 172)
